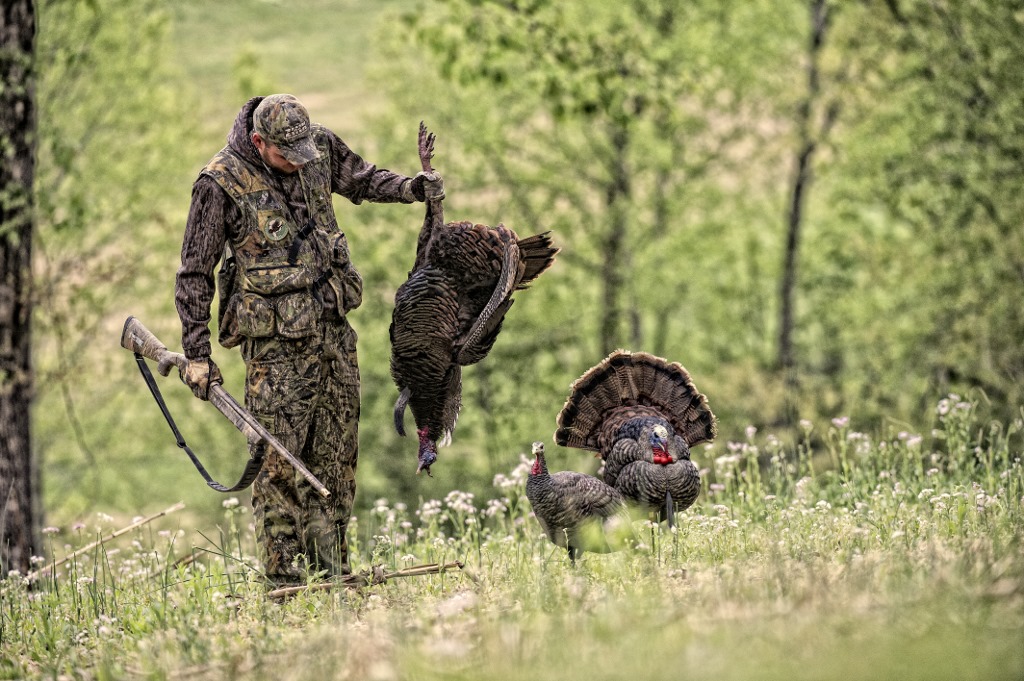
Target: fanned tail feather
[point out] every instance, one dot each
(625, 385)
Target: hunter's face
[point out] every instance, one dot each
(271, 155)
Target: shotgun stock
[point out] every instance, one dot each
(138, 339)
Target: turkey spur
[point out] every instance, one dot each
(450, 310)
(641, 414)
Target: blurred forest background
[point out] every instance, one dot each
(814, 206)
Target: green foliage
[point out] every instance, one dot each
(112, 165)
(248, 70)
(653, 138)
(948, 106)
(899, 555)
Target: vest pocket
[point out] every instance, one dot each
(340, 258)
(277, 301)
(274, 279)
(298, 314)
(348, 289)
(255, 316)
(345, 280)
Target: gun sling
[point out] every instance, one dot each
(252, 468)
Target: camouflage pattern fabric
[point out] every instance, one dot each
(306, 392)
(282, 120)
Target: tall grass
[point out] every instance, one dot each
(844, 555)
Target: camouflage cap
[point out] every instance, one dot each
(283, 121)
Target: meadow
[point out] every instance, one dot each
(890, 556)
(862, 511)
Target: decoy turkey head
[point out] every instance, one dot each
(538, 463)
(659, 445)
(428, 451)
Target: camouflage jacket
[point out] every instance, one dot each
(218, 219)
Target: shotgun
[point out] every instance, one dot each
(138, 339)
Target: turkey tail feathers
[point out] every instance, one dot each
(538, 254)
(626, 385)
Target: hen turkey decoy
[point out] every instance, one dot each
(450, 310)
(577, 512)
(641, 414)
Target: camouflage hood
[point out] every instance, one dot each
(240, 137)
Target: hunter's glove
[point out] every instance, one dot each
(426, 186)
(199, 375)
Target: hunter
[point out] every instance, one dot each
(262, 209)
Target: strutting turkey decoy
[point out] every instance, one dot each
(450, 310)
(641, 414)
(576, 511)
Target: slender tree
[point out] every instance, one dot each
(604, 125)
(816, 115)
(18, 519)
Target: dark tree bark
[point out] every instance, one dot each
(809, 139)
(18, 521)
(615, 249)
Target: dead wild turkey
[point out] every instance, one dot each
(450, 310)
(577, 512)
(641, 414)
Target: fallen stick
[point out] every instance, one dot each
(113, 535)
(376, 576)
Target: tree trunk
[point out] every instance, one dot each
(613, 277)
(18, 519)
(801, 181)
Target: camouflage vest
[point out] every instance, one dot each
(273, 276)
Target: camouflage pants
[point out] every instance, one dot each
(305, 392)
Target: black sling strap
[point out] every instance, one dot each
(302, 235)
(252, 468)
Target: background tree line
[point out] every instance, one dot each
(812, 205)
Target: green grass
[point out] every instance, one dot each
(318, 50)
(884, 557)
